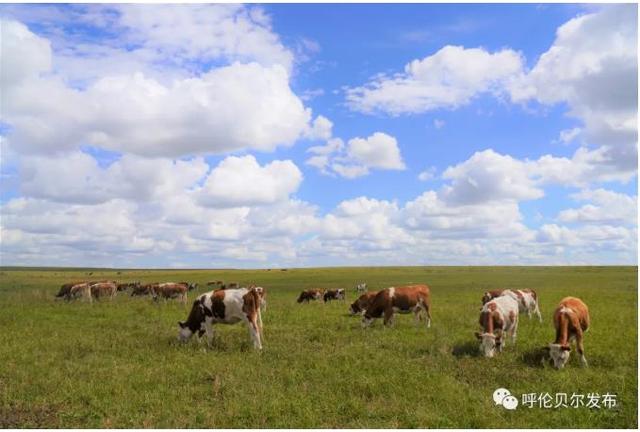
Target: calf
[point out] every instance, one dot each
(403, 299)
(362, 303)
(498, 316)
(527, 300)
(225, 307)
(337, 294)
(308, 295)
(263, 296)
(169, 290)
(571, 320)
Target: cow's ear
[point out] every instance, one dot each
(478, 335)
(565, 348)
(181, 324)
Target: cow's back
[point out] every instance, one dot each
(578, 307)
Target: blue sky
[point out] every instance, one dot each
(319, 134)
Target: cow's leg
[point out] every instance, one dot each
(514, 330)
(537, 311)
(580, 348)
(254, 331)
(208, 329)
(388, 316)
(427, 311)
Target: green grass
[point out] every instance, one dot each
(117, 364)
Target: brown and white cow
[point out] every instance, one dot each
(225, 307)
(126, 285)
(262, 292)
(170, 290)
(337, 294)
(571, 320)
(104, 289)
(80, 290)
(527, 300)
(65, 288)
(310, 294)
(362, 303)
(402, 299)
(498, 316)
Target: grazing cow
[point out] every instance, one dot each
(104, 289)
(402, 299)
(169, 290)
(337, 294)
(226, 307)
(311, 294)
(527, 300)
(498, 316)
(571, 320)
(126, 285)
(361, 287)
(190, 285)
(362, 303)
(232, 285)
(80, 290)
(65, 288)
(142, 290)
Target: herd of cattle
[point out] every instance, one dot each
(230, 303)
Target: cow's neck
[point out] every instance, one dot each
(562, 336)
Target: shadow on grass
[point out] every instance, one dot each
(466, 349)
(536, 358)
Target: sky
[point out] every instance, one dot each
(298, 135)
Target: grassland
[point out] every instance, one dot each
(117, 364)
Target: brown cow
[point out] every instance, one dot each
(142, 290)
(403, 299)
(498, 316)
(311, 294)
(104, 289)
(169, 290)
(362, 303)
(262, 292)
(571, 320)
(225, 307)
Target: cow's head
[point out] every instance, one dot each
(355, 309)
(192, 286)
(341, 294)
(489, 344)
(559, 354)
(486, 297)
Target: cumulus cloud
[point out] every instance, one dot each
(450, 78)
(241, 181)
(606, 207)
(358, 156)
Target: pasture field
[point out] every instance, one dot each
(118, 364)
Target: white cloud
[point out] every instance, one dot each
(607, 207)
(241, 181)
(427, 174)
(450, 78)
(358, 156)
(23, 55)
(568, 135)
(438, 124)
(489, 176)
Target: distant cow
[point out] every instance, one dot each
(571, 320)
(65, 288)
(527, 300)
(337, 294)
(217, 282)
(126, 285)
(226, 307)
(362, 303)
(311, 294)
(498, 316)
(142, 290)
(403, 299)
(190, 285)
(170, 290)
(104, 289)
(80, 290)
(361, 287)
